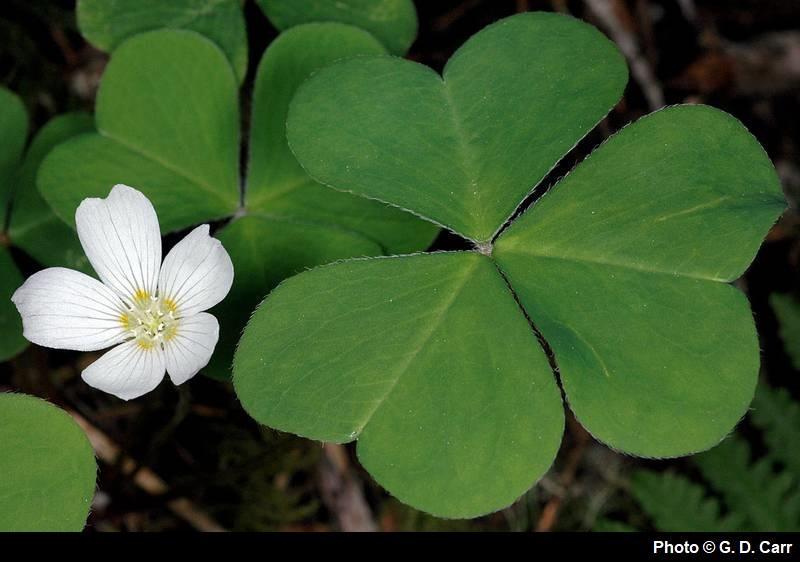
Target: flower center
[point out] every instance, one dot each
(151, 320)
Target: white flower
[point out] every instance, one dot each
(152, 312)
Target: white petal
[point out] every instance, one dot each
(196, 274)
(66, 309)
(127, 371)
(191, 348)
(121, 238)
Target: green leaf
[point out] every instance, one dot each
(393, 22)
(276, 183)
(787, 309)
(425, 359)
(452, 149)
(108, 23)
(676, 504)
(619, 264)
(395, 231)
(769, 500)
(11, 340)
(48, 467)
(622, 267)
(778, 416)
(33, 226)
(265, 251)
(176, 138)
(14, 133)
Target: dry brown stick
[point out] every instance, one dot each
(342, 492)
(605, 12)
(60, 39)
(110, 453)
(446, 19)
(689, 11)
(551, 510)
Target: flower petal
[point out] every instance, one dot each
(127, 371)
(66, 309)
(191, 348)
(196, 274)
(122, 240)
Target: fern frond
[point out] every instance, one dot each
(778, 416)
(612, 526)
(766, 499)
(675, 503)
(787, 309)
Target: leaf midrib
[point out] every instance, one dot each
(168, 166)
(614, 263)
(441, 314)
(465, 150)
(276, 192)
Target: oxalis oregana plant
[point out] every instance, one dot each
(431, 361)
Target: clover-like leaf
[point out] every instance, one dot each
(413, 121)
(175, 138)
(47, 464)
(14, 129)
(33, 226)
(396, 352)
(393, 22)
(621, 266)
(107, 23)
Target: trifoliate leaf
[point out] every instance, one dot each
(622, 267)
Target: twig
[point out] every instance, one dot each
(110, 453)
(342, 493)
(445, 20)
(606, 13)
(60, 39)
(551, 510)
(689, 11)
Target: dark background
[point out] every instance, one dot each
(189, 458)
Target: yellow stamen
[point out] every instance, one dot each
(151, 321)
(170, 332)
(141, 296)
(169, 304)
